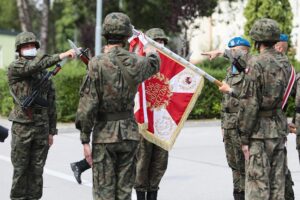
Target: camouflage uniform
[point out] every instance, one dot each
(31, 127)
(297, 114)
(152, 161)
(262, 123)
(289, 192)
(232, 142)
(106, 109)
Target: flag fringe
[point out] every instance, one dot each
(167, 145)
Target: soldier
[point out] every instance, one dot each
(33, 128)
(106, 109)
(261, 122)
(294, 128)
(152, 160)
(282, 47)
(230, 108)
(242, 58)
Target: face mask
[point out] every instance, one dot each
(161, 44)
(234, 70)
(29, 52)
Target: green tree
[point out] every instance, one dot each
(9, 15)
(279, 10)
(78, 17)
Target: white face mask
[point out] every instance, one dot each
(161, 44)
(29, 52)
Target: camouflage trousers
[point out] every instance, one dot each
(29, 150)
(265, 170)
(152, 162)
(289, 192)
(235, 158)
(114, 170)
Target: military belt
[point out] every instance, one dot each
(114, 116)
(231, 110)
(269, 113)
(297, 109)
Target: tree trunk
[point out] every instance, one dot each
(24, 15)
(44, 26)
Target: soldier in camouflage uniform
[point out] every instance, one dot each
(262, 123)
(152, 160)
(106, 110)
(296, 128)
(230, 108)
(282, 47)
(33, 128)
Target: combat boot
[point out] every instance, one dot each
(141, 195)
(78, 168)
(152, 195)
(236, 195)
(242, 195)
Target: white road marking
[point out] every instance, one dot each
(56, 174)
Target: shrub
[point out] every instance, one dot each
(208, 104)
(6, 101)
(67, 84)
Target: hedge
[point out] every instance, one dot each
(68, 81)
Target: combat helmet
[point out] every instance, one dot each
(265, 30)
(118, 24)
(157, 33)
(25, 38)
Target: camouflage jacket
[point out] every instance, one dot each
(23, 76)
(260, 113)
(297, 103)
(106, 91)
(230, 104)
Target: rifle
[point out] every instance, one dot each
(83, 55)
(29, 100)
(3, 133)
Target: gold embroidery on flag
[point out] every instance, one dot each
(158, 91)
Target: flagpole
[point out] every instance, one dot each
(178, 58)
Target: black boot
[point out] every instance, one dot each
(152, 195)
(78, 168)
(141, 195)
(242, 195)
(236, 195)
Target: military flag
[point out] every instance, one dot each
(164, 101)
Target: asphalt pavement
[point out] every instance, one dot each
(197, 168)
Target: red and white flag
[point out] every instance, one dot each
(164, 101)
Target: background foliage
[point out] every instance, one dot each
(279, 10)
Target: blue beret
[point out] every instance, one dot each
(238, 41)
(284, 37)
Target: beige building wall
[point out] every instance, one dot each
(226, 22)
(7, 47)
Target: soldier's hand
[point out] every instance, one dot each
(149, 49)
(225, 88)
(88, 153)
(245, 149)
(292, 128)
(213, 54)
(68, 54)
(50, 140)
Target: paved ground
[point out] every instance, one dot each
(197, 167)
